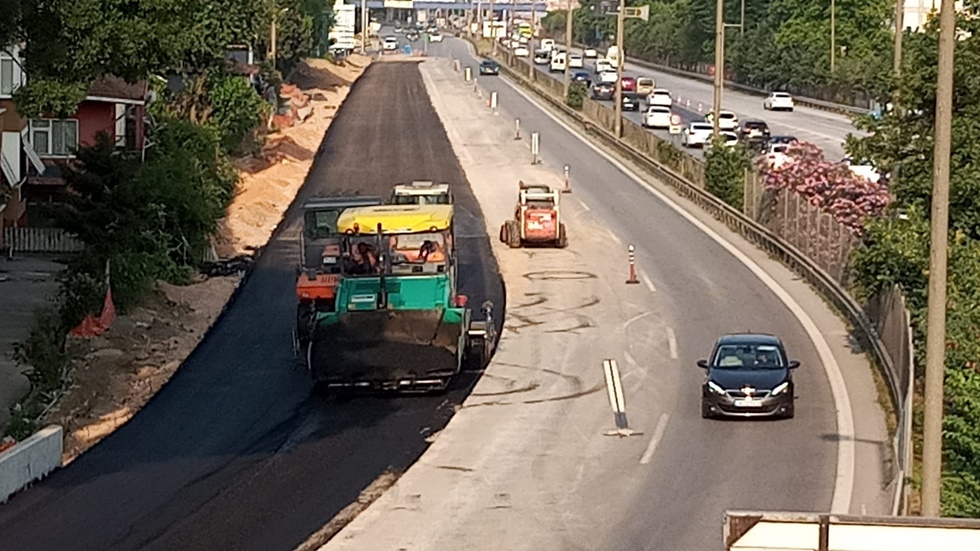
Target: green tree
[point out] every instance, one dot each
(896, 249)
(725, 171)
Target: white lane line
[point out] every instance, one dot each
(844, 479)
(672, 342)
(648, 282)
(658, 433)
(629, 358)
(610, 385)
(618, 386)
(614, 237)
(584, 206)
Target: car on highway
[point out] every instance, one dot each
(603, 66)
(398, 29)
(628, 84)
(656, 116)
(603, 90)
(575, 61)
(730, 139)
(660, 96)
(630, 102)
(754, 130)
(521, 51)
(547, 44)
(542, 57)
(590, 53)
(776, 155)
(389, 43)
(412, 35)
(435, 37)
(557, 64)
(489, 67)
(726, 120)
(863, 168)
(645, 86)
(778, 101)
(781, 140)
(696, 134)
(748, 375)
(580, 76)
(608, 76)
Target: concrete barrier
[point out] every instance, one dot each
(30, 460)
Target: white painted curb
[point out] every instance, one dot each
(30, 460)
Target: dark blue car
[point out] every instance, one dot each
(580, 76)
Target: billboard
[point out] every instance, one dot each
(399, 4)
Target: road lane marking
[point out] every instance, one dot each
(658, 433)
(648, 282)
(672, 342)
(584, 206)
(614, 237)
(844, 478)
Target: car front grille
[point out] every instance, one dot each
(758, 394)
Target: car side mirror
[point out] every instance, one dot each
(793, 364)
(703, 364)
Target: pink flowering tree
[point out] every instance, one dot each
(851, 199)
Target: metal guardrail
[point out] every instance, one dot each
(800, 100)
(778, 248)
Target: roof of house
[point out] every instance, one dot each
(111, 87)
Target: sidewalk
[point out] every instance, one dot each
(25, 284)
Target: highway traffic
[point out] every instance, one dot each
(668, 488)
(693, 99)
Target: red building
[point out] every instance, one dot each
(112, 106)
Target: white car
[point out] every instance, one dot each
(864, 170)
(390, 43)
(435, 37)
(660, 96)
(696, 134)
(778, 101)
(777, 156)
(657, 116)
(727, 120)
(608, 77)
(522, 51)
(547, 44)
(591, 53)
(603, 65)
(575, 61)
(542, 57)
(731, 139)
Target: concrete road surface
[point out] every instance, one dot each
(526, 463)
(234, 453)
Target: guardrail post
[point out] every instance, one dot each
(517, 129)
(568, 182)
(632, 260)
(468, 74)
(493, 102)
(456, 65)
(535, 147)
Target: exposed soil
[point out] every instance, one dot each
(116, 374)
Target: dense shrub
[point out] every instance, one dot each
(725, 172)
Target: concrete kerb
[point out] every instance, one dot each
(30, 460)
(756, 234)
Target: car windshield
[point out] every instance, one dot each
(748, 356)
(701, 128)
(658, 109)
(780, 95)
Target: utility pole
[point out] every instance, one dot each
(833, 35)
(568, 44)
(534, 29)
(897, 64)
(493, 30)
(621, 61)
(932, 442)
(719, 65)
(741, 22)
(364, 27)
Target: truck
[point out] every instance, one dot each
(613, 57)
(399, 323)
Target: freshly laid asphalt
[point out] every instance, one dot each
(235, 452)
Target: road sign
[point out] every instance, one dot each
(638, 13)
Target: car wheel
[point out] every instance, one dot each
(706, 411)
(790, 413)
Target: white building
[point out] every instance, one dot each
(917, 12)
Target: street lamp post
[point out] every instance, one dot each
(364, 27)
(833, 35)
(568, 44)
(932, 441)
(620, 62)
(493, 30)
(719, 65)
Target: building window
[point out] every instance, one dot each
(54, 137)
(6, 75)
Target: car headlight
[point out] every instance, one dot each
(713, 386)
(780, 388)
